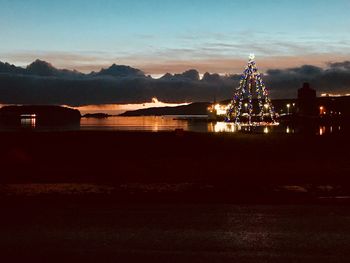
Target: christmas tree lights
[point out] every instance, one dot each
(251, 89)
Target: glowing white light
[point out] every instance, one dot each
(155, 100)
(251, 56)
(221, 109)
(334, 95)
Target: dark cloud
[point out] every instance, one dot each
(211, 78)
(335, 78)
(41, 83)
(345, 65)
(120, 71)
(305, 70)
(38, 68)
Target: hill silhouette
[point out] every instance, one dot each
(197, 108)
(44, 114)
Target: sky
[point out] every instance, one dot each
(160, 36)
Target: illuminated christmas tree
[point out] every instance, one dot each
(242, 110)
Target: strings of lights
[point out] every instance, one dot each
(251, 84)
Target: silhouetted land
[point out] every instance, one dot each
(44, 114)
(334, 104)
(197, 108)
(96, 115)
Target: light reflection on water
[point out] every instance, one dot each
(146, 123)
(222, 127)
(231, 128)
(170, 123)
(328, 129)
(28, 122)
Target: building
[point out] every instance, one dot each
(307, 103)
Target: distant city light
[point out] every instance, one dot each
(218, 109)
(334, 95)
(28, 115)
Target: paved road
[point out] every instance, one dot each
(175, 233)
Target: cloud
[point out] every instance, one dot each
(334, 78)
(85, 61)
(345, 65)
(213, 52)
(44, 84)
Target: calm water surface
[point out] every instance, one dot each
(146, 123)
(187, 123)
(167, 123)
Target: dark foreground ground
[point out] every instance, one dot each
(174, 197)
(106, 232)
(117, 157)
(180, 165)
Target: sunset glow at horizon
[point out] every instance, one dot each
(120, 108)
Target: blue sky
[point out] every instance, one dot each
(162, 35)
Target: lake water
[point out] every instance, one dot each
(167, 123)
(188, 123)
(145, 123)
